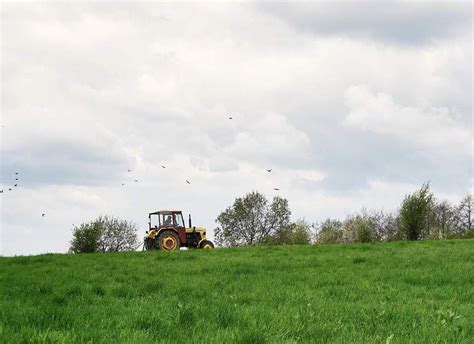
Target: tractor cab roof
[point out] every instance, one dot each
(166, 212)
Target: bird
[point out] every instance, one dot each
(1, 191)
(16, 178)
(123, 184)
(276, 189)
(42, 215)
(15, 185)
(269, 170)
(129, 171)
(163, 166)
(230, 117)
(16, 173)
(187, 181)
(9, 189)
(136, 180)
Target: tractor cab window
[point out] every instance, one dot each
(167, 220)
(154, 221)
(179, 220)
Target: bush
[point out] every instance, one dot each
(329, 232)
(297, 233)
(358, 228)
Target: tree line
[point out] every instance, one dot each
(254, 220)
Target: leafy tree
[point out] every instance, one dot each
(415, 213)
(252, 220)
(105, 234)
(86, 238)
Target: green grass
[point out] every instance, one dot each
(421, 292)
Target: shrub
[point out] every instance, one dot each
(297, 233)
(329, 232)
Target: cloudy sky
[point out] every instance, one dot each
(351, 105)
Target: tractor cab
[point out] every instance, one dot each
(167, 231)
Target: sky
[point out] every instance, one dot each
(350, 105)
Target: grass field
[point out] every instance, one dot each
(419, 292)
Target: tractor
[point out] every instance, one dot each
(167, 231)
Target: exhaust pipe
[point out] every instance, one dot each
(190, 226)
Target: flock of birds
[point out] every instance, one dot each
(14, 185)
(187, 181)
(123, 183)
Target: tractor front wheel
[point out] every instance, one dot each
(168, 241)
(206, 244)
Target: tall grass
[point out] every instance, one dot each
(420, 292)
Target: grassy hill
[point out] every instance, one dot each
(420, 292)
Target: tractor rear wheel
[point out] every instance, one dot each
(206, 245)
(168, 241)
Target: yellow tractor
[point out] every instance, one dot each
(167, 231)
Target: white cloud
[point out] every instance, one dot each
(432, 128)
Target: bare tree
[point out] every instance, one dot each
(465, 212)
(444, 220)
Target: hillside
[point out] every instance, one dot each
(380, 293)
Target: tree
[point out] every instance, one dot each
(105, 234)
(251, 220)
(385, 225)
(415, 213)
(465, 211)
(86, 238)
(117, 235)
(444, 220)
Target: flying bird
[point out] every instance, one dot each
(230, 117)
(1, 191)
(187, 181)
(276, 189)
(129, 171)
(269, 170)
(123, 184)
(16, 172)
(15, 185)
(42, 215)
(9, 189)
(136, 180)
(163, 166)
(16, 178)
